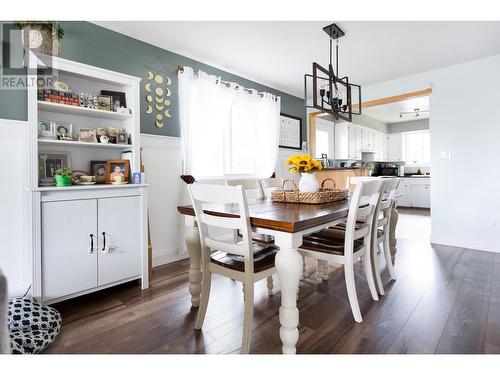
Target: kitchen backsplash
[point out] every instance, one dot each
(410, 170)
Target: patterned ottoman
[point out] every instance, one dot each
(32, 325)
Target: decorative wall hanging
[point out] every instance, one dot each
(158, 95)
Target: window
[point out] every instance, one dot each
(417, 148)
(225, 129)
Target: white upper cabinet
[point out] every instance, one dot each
(352, 140)
(341, 141)
(395, 147)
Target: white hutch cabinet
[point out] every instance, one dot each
(85, 237)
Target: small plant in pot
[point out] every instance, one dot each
(63, 177)
(43, 36)
(370, 167)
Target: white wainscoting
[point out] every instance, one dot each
(163, 165)
(15, 257)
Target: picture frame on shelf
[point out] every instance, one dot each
(49, 163)
(87, 135)
(121, 139)
(63, 131)
(104, 102)
(46, 130)
(98, 169)
(100, 132)
(137, 178)
(116, 169)
(119, 99)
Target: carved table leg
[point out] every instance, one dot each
(289, 267)
(194, 250)
(392, 232)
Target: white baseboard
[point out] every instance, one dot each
(168, 256)
(173, 255)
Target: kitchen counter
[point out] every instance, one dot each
(341, 168)
(340, 175)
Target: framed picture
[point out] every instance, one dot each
(290, 132)
(63, 130)
(119, 99)
(49, 163)
(121, 138)
(98, 169)
(104, 102)
(46, 129)
(87, 135)
(137, 178)
(116, 169)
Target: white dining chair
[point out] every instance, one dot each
(269, 184)
(245, 261)
(252, 186)
(380, 229)
(346, 246)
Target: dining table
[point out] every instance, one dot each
(287, 223)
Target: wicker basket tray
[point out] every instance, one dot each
(323, 195)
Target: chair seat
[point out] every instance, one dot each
(263, 258)
(380, 232)
(330, 241)
(263, 239)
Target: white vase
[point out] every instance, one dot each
(308, 183)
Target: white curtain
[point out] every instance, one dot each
(226, 131)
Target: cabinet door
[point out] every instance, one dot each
(120, 245)
(420, 196)
(359, 135)
(352, 142)
(341, 141)
(68, 265)
(403, 194)
(395, 147)
(384, 148)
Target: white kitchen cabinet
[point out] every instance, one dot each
(352, 142)
(341, 141)
(69, 247)
(395, 147)
(119, 238)
(415, 192)
(91, 243)
(358, 139)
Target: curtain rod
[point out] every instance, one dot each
(180, 68)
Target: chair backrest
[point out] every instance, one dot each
(362, 205)
(351, 181)
(252, 184)
(204, 195)
(269, 184)
(386, 202)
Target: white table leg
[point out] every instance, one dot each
(194, 250)
(289, 268)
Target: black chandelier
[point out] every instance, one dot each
(330, 93)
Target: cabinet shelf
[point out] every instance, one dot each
(82, 111)
(87, 187)
(55, 142)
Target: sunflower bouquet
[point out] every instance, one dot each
(303, 163)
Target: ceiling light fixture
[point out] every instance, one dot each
(330, 93)
(415, 113)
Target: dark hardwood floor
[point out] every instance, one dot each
(445, 300)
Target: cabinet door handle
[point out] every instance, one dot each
(103, 241)
(91, 250)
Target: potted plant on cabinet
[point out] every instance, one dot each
(306, 166)
(42, 36)
(63, 177)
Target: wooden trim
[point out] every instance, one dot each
(393, 99)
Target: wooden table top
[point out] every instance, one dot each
(284, 217)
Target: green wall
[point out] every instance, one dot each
(91, 44)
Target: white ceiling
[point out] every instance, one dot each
(278, 54)
(389, 113)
